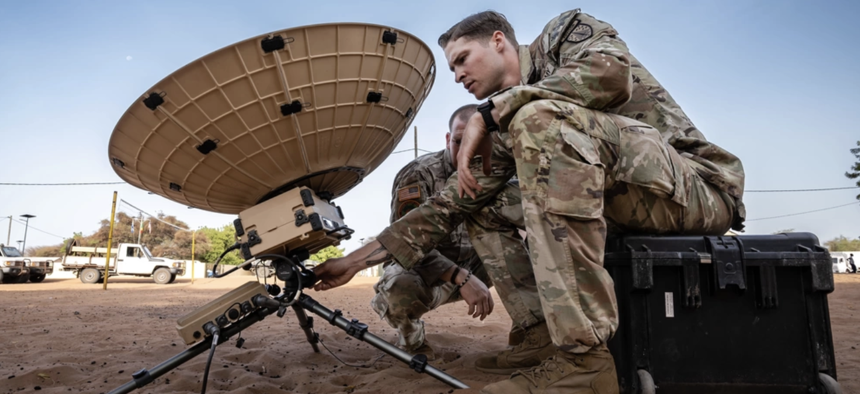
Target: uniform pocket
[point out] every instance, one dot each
(575, 176)
(644, 160)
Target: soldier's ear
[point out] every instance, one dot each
(447, 139)
(497, 41)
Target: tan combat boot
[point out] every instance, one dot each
(536, 347)
(590, 372)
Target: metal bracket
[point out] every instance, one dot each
(356, 329)
(728, 262)
(240, 230)
(418, 362)
(253, 238)
(301, 218)
(307, 197)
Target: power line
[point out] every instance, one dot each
(42, 231)
(803, 213)
(801, 190)
(62, 184)
(154, 217)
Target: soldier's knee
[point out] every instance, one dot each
(536, 114)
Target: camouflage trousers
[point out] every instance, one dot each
(580, 170)
(403, 297)
(494, 233)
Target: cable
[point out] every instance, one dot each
(42, 231)
(802, 213)
(801, 190)
(62, 184)
(344, 362)
(209, 361)
(154, 217)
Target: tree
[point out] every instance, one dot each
(328, 252)
(841, 244)
(855, 170)
(219, 241)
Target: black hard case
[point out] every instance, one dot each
(747, 314)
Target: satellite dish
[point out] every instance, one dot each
(319, 106)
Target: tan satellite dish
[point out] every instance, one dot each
(318, 106)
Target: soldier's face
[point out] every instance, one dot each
(477, 64)
(455, 137)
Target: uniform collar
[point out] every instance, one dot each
(526, 64)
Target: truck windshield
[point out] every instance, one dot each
(11, 251)
(147, 252)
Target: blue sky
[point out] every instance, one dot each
(776, 83)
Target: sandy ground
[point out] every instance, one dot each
(63, 336)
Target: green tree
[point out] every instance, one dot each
(219, 240)
(855, 169)
(326, 253)
(841, 244)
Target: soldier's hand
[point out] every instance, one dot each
(334, 273)
(476, 141)
(477, 296)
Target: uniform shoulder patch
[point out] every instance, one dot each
(405, 207)
(411, 192)
(580, 33)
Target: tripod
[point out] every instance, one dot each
(302, 303)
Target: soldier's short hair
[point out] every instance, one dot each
(464, 113)
(479, 26)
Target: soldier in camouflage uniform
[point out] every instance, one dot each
(594, 140)
(403, 296)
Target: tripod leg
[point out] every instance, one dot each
(359, 331)
(307, 323)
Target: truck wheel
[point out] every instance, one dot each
(1, 276)
(831, 386)
(23, 278)
(161, 276)
(646, 382)
(90, 275)
(172, 278)
(37, 278)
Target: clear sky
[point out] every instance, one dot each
(776, 83)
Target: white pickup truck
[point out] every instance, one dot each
(88, 263)
(36, 268)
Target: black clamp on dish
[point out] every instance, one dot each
(142, 378)
(389, 37)
(272, 44)
(291, 108)
(154, 100)
(418, 363)
(356, 329)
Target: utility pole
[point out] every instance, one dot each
(9, 233)
(26, 226)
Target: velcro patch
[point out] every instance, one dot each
(405, 207)
(411, 192)
(580, 33)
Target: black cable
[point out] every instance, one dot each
(209, 361)
(344, 362)
(218, 261)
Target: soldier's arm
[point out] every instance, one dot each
(416, 233)
(403, 201)
(593, 73)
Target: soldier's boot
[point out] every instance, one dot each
(412, 339)
(535, 347)
(424, 349)
(517, 335)
(590, 372)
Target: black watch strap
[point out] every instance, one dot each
(486, 112)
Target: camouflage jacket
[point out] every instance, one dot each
(414, 184)
(581, 60)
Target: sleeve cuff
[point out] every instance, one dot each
(398, 248)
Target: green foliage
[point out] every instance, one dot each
(855, 169)
(329, 252)
(841, 244)
(220, 240)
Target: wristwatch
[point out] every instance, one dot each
(486, 112)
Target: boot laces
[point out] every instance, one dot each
(543, 371)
